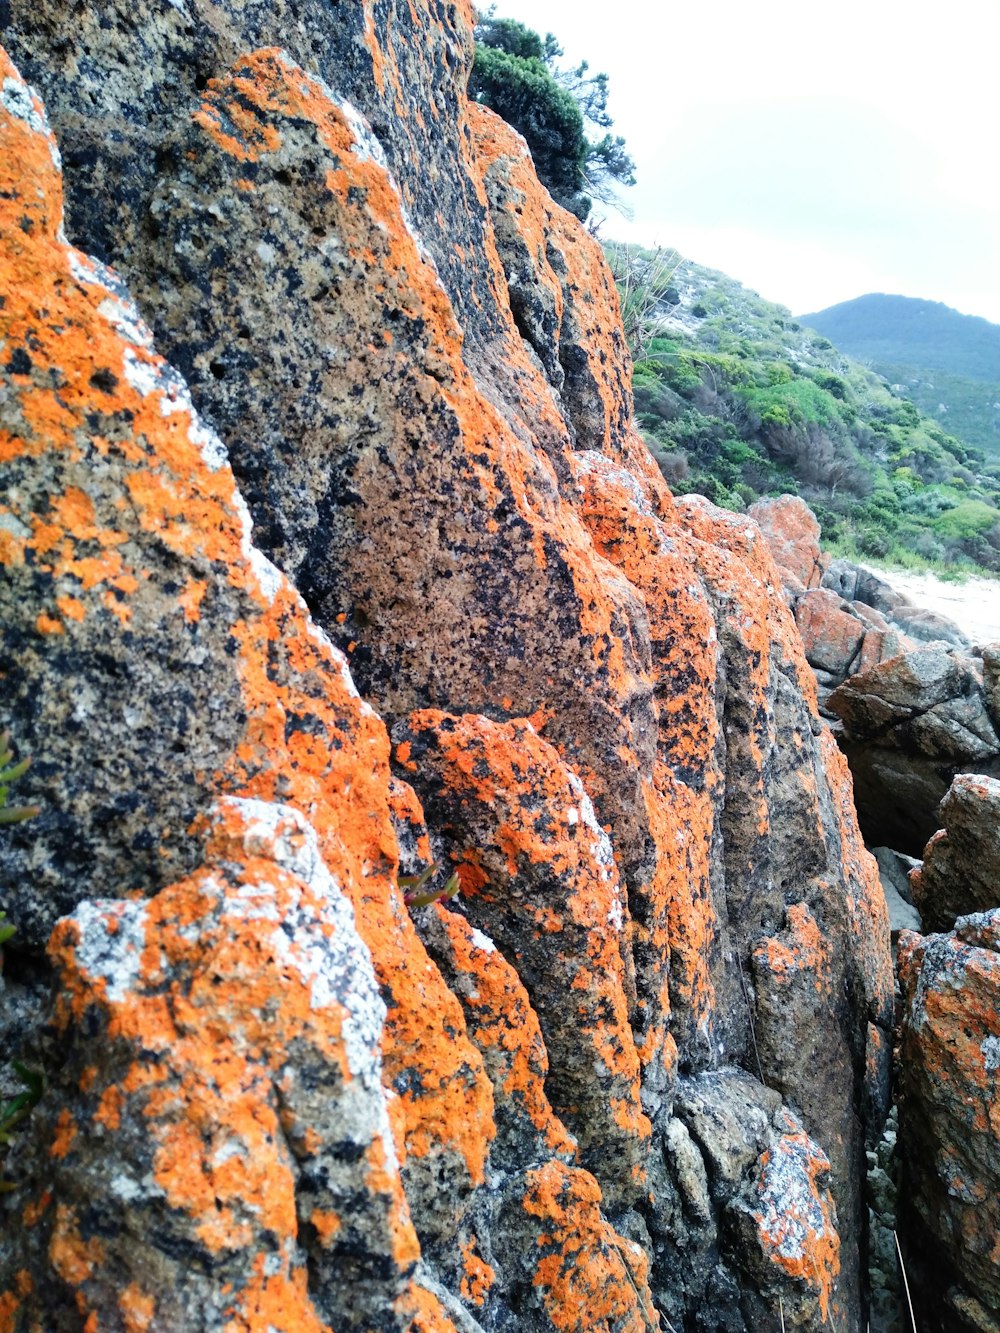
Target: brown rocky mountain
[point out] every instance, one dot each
(322, 569)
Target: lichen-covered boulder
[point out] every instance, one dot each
(215, 1146)
(960, 873)
(603, 721)
(792, 531)
(909, 725)
(831, 635)
(949, 1127)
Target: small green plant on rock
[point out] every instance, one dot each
(412, 885)
(15, 1109)
(10, 772)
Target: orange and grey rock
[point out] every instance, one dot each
(326, 1112)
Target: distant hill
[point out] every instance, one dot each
(904, 331)
(738, 399)
(947, 363)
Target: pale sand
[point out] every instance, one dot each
(974, 605)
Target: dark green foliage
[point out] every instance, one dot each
(516, 75)
(522, 91)
(737, 401)
(17, 1108)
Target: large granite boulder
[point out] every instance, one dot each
(863, 586)
(949, 1130)
(630, 1070)
(960, 873)
(909, 725)
(792, 531)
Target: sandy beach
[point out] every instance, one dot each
(974, 604)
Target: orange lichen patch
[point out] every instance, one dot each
(681, 802)
(65, 1133)
(71, 608)
(792, 532)
(446, 1100)
(673, 948)
(190, 599)
(138, 1309)
(9, 1306)
(735, 561)
(582, 1272)
(552, 877)
(277, 1302)
(504, 1026)
(951, 985)
(477, 1276)
(407, 813)
(498, 144)
(867, 914)
(628, 532)
(799, 948)
(327, 1224)
(68, 322)
(579, 297)
(381, 1178)
(71, 1256)
(420, 1311)
(374, 49)
(221, 1005)
(796, 1219)
(34, 1210)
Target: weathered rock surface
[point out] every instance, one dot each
(849, 618)
(792, 530)
(909, 725)
(894, 869)
(949, 1197)
(633, 1066)
(961, 868)
(862, 586)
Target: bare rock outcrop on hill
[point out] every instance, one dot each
(632, 1066)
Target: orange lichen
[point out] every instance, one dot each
(681, 800)
(138, 1309)
(504, 1026)
(327, 1224)
(552, 874)
(581, 1269)
(220, 998)
(796, 1220)
(800, 948)
(72, 1257)
(273, 1302)
(63, 1136)
(421, 1311)
(109, 1111)
(478, 1276)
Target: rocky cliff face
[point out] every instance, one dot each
(630, 1069)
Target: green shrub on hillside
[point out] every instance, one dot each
(737, 402)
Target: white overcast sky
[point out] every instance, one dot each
(812, 151)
